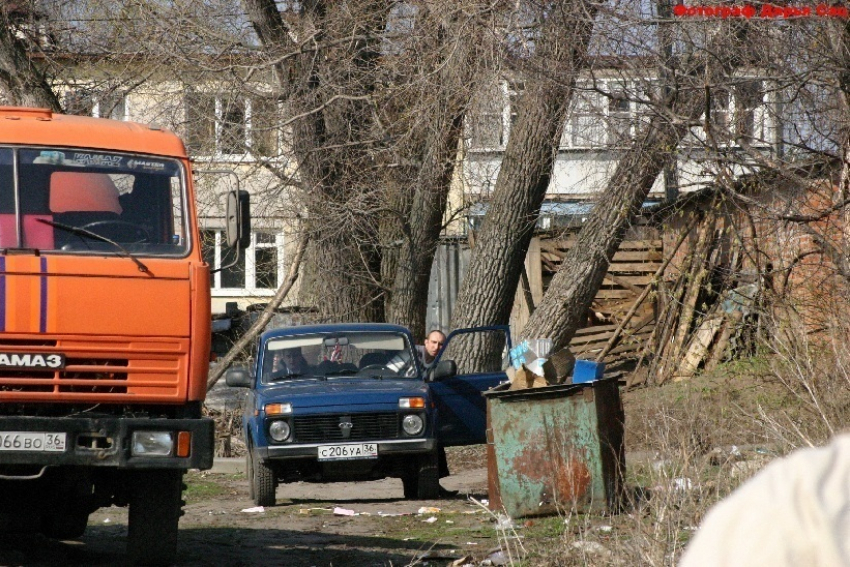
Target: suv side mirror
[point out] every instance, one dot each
(444, 369)
(238, 377)
(238, 219)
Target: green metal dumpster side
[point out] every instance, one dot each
(556, 448)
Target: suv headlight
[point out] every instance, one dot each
(279, 431)
(412, 424)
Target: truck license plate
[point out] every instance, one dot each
(348, 452)
(29, 441)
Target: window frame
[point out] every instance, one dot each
(220, 126)
(248, 256)
(97, 101)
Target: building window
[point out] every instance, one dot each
(620, 119)
(585, 127)
(737, 110)
(219, 125)
(258, 269)
(486, 125)
(90, 102)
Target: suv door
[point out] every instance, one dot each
(461, 409)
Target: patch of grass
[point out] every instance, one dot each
(199, 489)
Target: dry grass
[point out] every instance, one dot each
(692, 443)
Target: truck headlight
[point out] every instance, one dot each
(279, 431)
(412, 424)
(152, 444)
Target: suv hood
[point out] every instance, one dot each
(347, 392)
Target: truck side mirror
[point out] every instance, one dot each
(444, 369)
(238, 219)
(238, 377)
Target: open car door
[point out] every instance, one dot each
(461, 409)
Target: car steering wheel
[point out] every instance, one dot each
(140, 230)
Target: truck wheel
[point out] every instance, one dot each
(424, 481)
(65, 523)
(261, 479)
(155, 509)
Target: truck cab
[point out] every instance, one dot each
(104, 325)
(353, 402)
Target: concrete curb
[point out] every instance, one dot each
(228, 466)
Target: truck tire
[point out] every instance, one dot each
(65, 523)
(155, 509)
(423, 483)
(261, 478)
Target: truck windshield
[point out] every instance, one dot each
(328, 355)
(79, 201)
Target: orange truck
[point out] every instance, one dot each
(104, 325)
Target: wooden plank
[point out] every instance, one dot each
(637, 290)
(643, 267)
(550, 244)
(534, 269)
(595, 329)
(638, 256)
(616, 294)
(602, 338)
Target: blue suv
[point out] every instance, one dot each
(352, 402)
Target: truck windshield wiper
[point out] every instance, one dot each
(85, 232)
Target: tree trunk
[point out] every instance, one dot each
(487, 292)
(328, 85)
(21, 82)
(457, 64)
(580, 275)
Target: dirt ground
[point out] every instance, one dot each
(301, 529)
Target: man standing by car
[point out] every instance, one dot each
(427, 353)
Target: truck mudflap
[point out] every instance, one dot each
(104, 442)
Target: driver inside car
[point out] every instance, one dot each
(289, 361)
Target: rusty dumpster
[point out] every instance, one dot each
(555, 448)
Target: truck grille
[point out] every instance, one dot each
(98, 370)
(368, 426)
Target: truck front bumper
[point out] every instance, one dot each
(387, 447)
(105, 442)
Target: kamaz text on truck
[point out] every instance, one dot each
(104, 326)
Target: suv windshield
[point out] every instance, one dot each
(65, 200)
(329, 355)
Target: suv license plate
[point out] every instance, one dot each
(348, 452)
(29, 441)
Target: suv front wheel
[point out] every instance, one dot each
(423, 481)
(261, 479)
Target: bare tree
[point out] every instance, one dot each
(549, 65)
(22, 81)
(571, 292)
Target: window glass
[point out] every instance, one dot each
(232, 126)
(619, 119)
(338, 355)
(264, 127)
(79, 102)
(266, 268)
(234, 276)
(586, 125)
(83, 201)
(200, 123)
